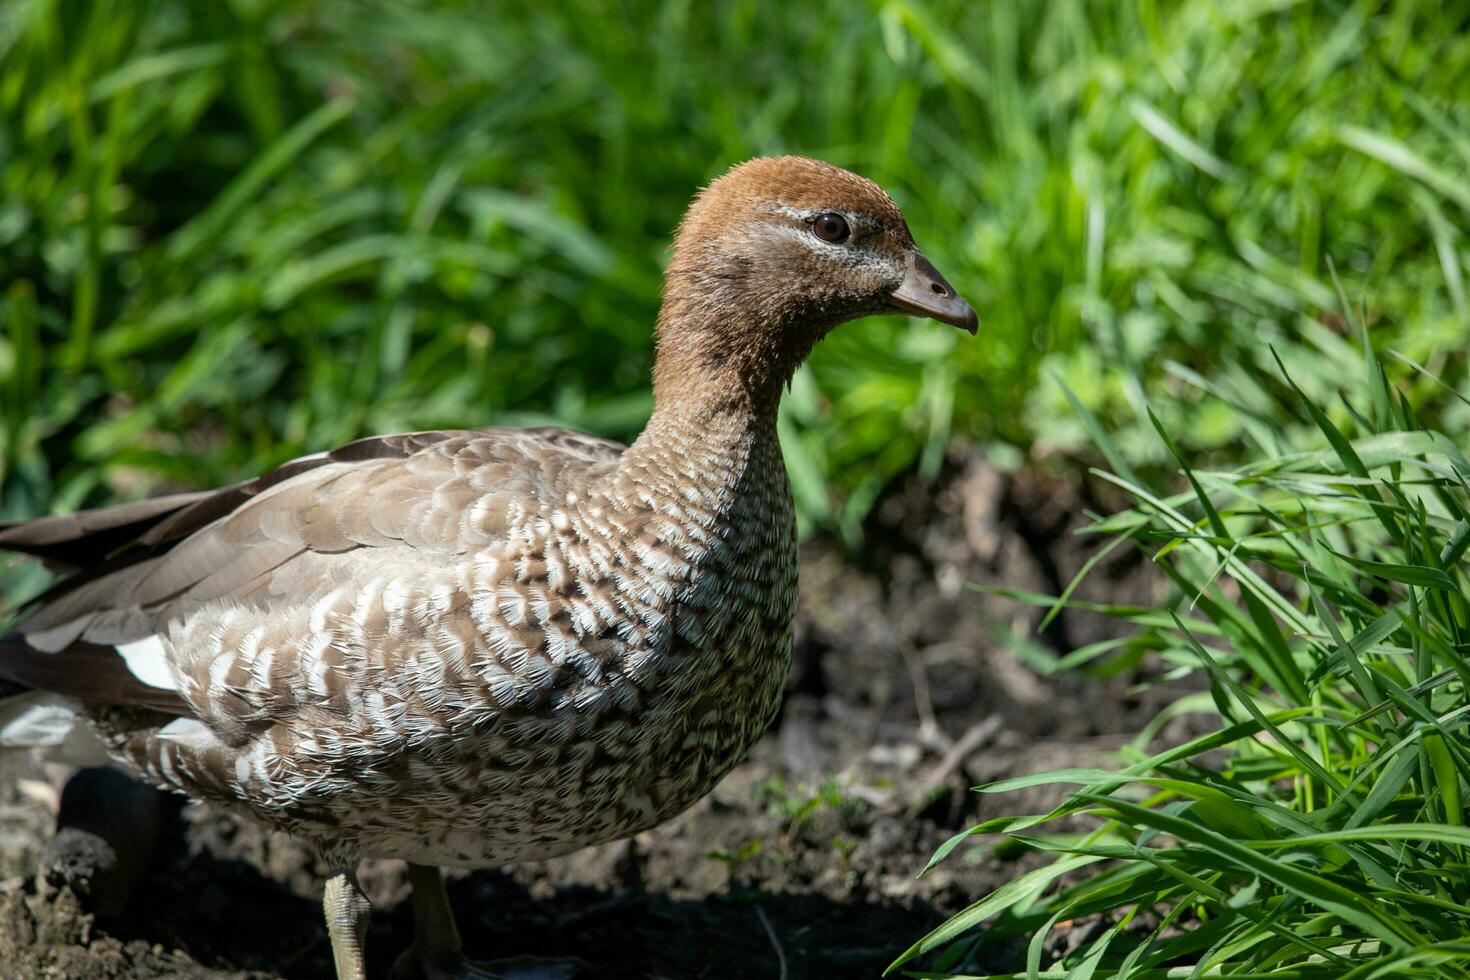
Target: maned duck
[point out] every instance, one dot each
(470, 648)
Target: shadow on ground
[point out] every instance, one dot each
(225, 919)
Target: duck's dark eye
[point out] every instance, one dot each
(830, 227)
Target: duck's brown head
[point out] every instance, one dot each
(769, 258)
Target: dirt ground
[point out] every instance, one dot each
(802, 864)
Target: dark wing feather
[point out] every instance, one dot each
(68, 541)
(87, 671)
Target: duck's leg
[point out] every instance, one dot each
(347, 911)
(437, 953)
(436, 943)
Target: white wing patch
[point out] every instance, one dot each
(146, 661)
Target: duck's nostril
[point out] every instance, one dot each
(938, 289)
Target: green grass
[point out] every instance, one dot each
(1318, 830)
(230, 233)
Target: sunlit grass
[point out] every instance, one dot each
(1319, 829)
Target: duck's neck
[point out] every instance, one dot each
(710, 477)
(713, 418)
(721, 359)
(704, 437)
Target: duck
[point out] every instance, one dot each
(478, 647)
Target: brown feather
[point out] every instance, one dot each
(86, 537)
(263, 541)
(85, 671)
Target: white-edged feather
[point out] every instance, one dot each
(37, 719)
(52, 722)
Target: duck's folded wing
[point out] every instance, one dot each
(269, 541)
(67, 542)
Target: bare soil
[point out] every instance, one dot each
(902, 696)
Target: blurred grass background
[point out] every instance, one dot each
(234, 232)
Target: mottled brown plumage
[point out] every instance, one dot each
(471, 648)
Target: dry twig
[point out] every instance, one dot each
(975, 736)
(775, 943)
